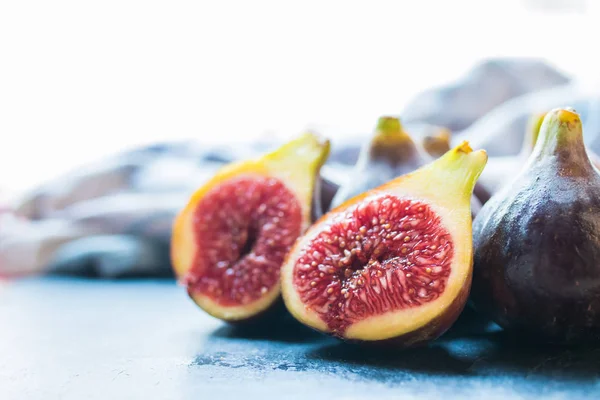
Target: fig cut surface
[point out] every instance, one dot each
(244, 229)
(231, 239)
(394, 263)
(383, 255)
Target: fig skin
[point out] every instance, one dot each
(446, 186)
(537, 254)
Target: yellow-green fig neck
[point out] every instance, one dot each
(560, 141)
(388, 127)
(450, 179)
(389, 130)
(560, 128)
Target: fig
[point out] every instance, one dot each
(436, 143)
(393, 264)
(433, 141)
(537, 253)
(230, 240)
(391, 152)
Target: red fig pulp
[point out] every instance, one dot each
(244, 231)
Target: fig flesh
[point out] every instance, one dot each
(230, 240)
(395, 262)
(537, 254)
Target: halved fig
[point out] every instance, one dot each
(394, 263)
(231, 239)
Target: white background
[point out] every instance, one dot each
(80, 79)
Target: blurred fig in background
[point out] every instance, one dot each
(392, 152)
(389, 153)
(436, 140)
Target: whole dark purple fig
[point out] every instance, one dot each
(537, 241)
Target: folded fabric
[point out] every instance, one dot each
(480, 90)
(112, 218)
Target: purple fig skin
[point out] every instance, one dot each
(537, 254)
(475, 206)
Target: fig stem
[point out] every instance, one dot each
(389, 132)
(388, 126)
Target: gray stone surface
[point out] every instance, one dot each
(77, 339)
